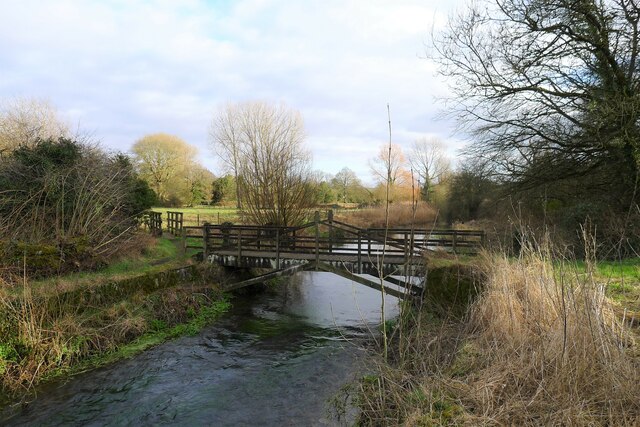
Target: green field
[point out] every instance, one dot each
(196, 216)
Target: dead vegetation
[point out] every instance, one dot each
(400, 214)
(44, 334)
(540, 345)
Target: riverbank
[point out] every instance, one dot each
(275, 358)
(59, 327)
(543, 343)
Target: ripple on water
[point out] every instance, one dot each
(275, 359)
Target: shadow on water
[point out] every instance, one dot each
(274, 359)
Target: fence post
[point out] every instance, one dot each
(239, 255)
(293, 240)
(406, 249)
(331, 231)
(277, 248)
(359, 252)
(184, 241)
(205, 241)
(316, 219)
(455, 240)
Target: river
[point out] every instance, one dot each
(275, 359)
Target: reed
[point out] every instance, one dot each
(541, 345)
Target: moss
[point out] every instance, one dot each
(451, 288)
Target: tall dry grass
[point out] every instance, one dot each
(540, 346)
(400, 214)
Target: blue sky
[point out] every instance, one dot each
(123, 69)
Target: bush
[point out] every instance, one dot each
(66, 204)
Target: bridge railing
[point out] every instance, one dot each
(174, 222)
(328, 237)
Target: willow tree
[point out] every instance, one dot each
(550, 91)
(262, 144)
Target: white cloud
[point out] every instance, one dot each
(125, 68)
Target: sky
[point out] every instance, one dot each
(122, 69)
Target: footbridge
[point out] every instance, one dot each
(328, 245)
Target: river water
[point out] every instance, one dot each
(275, 359)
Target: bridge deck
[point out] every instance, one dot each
(332, 257)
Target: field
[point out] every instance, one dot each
(400, 215)
(198, 215)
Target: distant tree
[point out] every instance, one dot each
(471, 190)
(429, 162)
(263, 145)
(161, 158)
(23, 121)
(198, 184)
(222, 189)
(346, 183)
(388, 165)
(227, 138)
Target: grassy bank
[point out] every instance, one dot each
(543, 343)
(60, 326)
(152, 255)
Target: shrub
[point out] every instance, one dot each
(76, 200)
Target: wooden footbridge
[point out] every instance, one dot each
(327, 245)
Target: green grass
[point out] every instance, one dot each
(158, 335)
(197, 215)
(622, 280)
(164, 254)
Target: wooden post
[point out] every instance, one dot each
(331, 231)
(359, 252)
(316, 219)
(293, 240)
(406, 249)
(184, 241)
(205, 241)
(258, 234)
(455, 240)
(277, 248)
(198, 220)
(239, 256)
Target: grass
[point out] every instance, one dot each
(47, 329)
(153, 255)
(400, 215)
(159, 332)
(621, 279)
(541, 345)
(196, 216)
(43, 337)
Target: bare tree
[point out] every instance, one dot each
(550, 89)
(389, 164)
(429, 162)
(225, 136)
(160, 158)
(262, 145)
(23, 121)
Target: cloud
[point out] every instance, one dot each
(122, 69)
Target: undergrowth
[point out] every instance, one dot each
(43, 336)
(540, 345)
